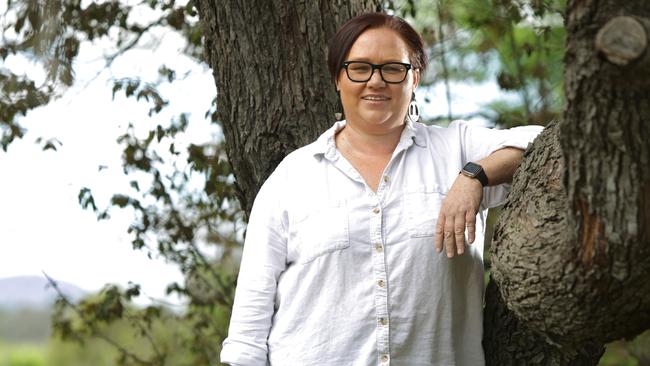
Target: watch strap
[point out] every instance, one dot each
(482, 177)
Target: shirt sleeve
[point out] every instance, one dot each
(479, 142)
(263, 260)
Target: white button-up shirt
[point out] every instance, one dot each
(333, 273)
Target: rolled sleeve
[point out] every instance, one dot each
(240, 353)
(479, 142)
(263, 260)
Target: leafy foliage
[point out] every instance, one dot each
(517, 44)
(50, 33)
(183, 201)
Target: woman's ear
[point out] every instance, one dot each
(416, 78)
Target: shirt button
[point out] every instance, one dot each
(386, 178)
(384, 358)
(379, 248)
(383, 321)
(380, 283)
(376, 210)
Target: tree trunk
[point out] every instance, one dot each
(269, 60)
(537, 208)
(571, 252)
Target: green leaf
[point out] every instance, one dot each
(120, 200)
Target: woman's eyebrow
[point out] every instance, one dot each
(366, 59)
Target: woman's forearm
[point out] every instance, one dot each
(500, 166)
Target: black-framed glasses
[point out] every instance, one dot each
(390, 72)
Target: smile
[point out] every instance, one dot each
(375, 98)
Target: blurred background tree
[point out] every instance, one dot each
(517, 44)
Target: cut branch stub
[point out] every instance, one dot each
(622, 40)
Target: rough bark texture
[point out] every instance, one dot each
(571, 255)
(606, 143)
(269, 63)
(511, 343)
(535, 215)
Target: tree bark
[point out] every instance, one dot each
(269, 61)
(535, 215)
(571, 253)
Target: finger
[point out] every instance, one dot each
(439, 230)
(450, 245)
(470, 223)
(459, 233)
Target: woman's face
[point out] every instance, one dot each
(376, 105)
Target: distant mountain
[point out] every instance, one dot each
(34, 292)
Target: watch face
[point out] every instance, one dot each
(472, 169)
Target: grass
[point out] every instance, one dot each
(30, 354)
(616, 354)
(22, 354)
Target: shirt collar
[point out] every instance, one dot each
(411, 134)
(325, 144)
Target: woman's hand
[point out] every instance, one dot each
(458, 212)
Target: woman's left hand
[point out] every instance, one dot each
(458, 212)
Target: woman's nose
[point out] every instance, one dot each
(375, 78)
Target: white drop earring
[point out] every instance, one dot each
(339, 106)
(414, 110)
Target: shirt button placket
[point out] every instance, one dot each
(381, 283)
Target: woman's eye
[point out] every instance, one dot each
(360, 68)
(393, 69)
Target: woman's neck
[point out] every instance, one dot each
(356, 140)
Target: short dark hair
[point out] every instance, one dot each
(340, 44)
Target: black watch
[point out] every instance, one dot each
(474, 170)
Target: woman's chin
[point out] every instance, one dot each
(379, 119)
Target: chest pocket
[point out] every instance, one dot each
(422, 208)
(319, 232)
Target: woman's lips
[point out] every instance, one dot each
(375, 98)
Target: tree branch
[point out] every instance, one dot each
(95, 332)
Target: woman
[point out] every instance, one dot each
(342, 263)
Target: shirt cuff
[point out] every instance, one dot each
(517, 137)
(237, 353)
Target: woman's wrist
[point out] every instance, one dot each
(500, 166)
